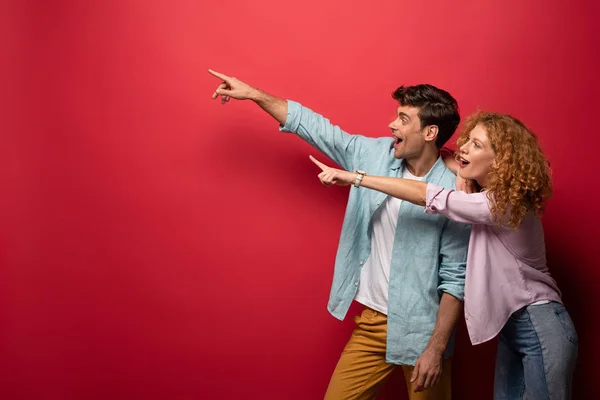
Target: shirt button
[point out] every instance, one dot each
(356, 284)
(361, 263)
(378, 203)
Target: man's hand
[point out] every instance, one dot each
(428, 370)
(233, 88)
(236, 89)
(449, 159)
(463, 185)
(332, 176)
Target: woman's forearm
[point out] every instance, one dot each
(404, 189)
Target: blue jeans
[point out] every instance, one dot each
(537, 349)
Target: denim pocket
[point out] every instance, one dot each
(565, 321)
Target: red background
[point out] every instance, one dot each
(155, 244)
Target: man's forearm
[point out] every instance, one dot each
(448, 315)
(275, 106)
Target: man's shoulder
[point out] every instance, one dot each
(441, 175)
(448, 178)
(384, 143)
(378, 149)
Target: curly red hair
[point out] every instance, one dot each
(520, 179)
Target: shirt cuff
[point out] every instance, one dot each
(435, 198)
(456, 291)
(292, 121)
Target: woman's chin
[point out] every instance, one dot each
(466, 176)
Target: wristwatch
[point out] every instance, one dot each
(359, 177)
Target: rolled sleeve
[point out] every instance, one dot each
(452, 278)
(435, 198)
(292, 121)
(468, 208)
(453, 253)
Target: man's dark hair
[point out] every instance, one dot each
(436, 107)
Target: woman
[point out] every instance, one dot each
(508, 290)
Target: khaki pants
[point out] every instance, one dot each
(362, 371)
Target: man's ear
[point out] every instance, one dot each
(431, 132)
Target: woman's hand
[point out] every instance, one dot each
(333, 176)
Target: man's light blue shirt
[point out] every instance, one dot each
(429, 253)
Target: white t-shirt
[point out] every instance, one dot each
(375, 273)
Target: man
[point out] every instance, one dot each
(406, 267)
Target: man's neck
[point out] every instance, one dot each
(421, 165)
